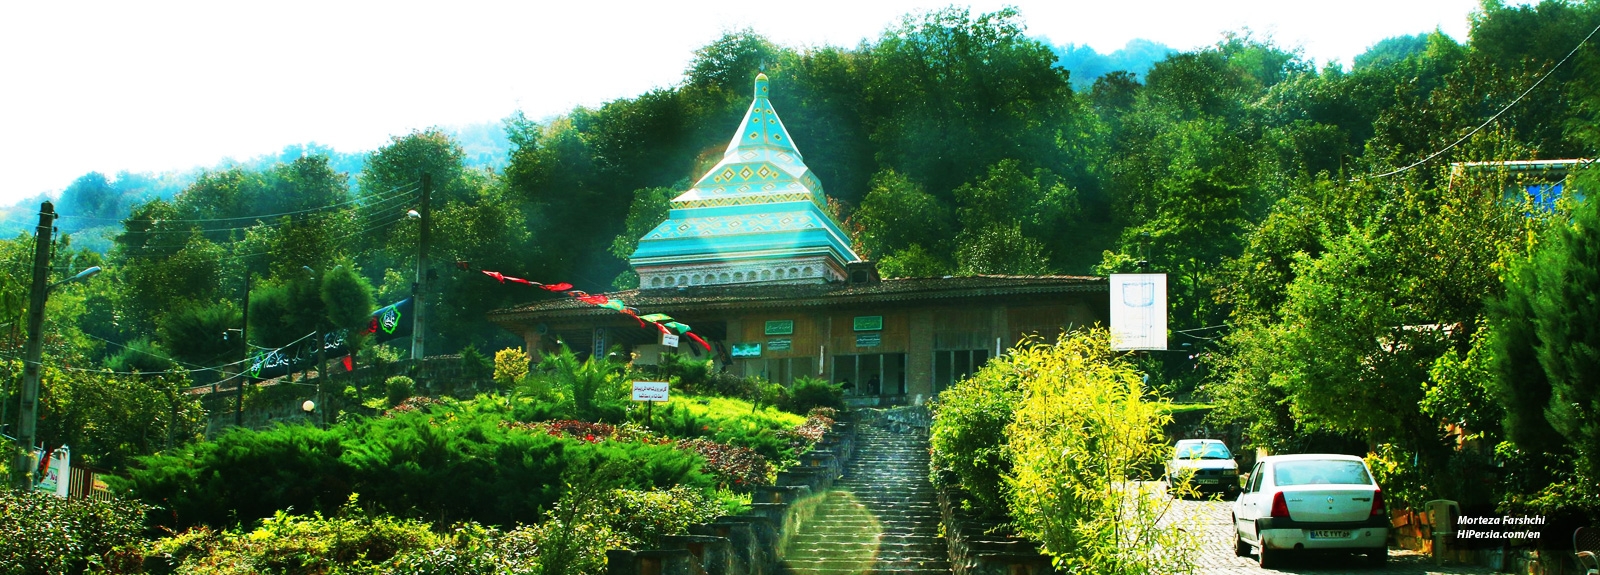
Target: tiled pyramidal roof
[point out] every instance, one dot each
(756, 216)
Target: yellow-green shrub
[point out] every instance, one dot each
(1085, 435)
(510, 366)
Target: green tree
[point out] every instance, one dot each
(898, 215)
(939, 111)
(198, 333)
(649, 208)
(1567, 321)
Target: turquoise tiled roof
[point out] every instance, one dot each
(759, 201)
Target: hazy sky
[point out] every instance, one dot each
(156, 86)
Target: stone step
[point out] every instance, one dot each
(867, 572)
(801, 551)
(879, 514)
(883, 540)
(880, 518)
(830, 564)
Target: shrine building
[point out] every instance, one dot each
(750, 259)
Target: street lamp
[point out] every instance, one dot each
(28, 412)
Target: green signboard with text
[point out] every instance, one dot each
(746, 350)
(780, 327)
(869, 323)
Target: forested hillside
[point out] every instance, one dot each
(953, 144)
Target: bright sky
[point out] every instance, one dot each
(157, 86)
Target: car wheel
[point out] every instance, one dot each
(1269, 558)
(1378, 557)
(1240, 548)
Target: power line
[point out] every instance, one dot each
(1496, 115)
(387, 202)
(358, 219)
(411, 186)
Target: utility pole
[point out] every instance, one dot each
(420, 288)
(27, 414)
(244, 368)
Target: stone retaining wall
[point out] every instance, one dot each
(748, 544)
(973, 551)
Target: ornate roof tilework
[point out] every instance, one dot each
(763, 179)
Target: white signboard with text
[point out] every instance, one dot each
(649, 391)
(1139, 311)
(669, 340)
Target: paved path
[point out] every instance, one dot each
(881, 518)
(1217, 558)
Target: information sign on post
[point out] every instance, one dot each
(669, 340)
(1139, 311)
(649, 392)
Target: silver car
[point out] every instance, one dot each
(1311, 502)
(1205, 463)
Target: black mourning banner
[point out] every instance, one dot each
(389, 322)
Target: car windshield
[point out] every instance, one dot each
(1211, 450)
(1321, 472)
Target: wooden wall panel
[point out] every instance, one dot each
(893, 338)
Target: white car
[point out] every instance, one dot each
(1206, 463)
(1311, 502)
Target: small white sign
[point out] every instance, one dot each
(649, 391)
(669, 340)
(1138, 311)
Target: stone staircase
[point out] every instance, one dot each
(880, 518)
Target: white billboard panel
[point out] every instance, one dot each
(1138, 311)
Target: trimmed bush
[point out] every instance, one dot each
(968, 436)
(810, 393)
(443, 465)
(347, 543)
(510, 366)
(399, 388)
(45, 534)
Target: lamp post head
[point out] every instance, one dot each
(83, 275)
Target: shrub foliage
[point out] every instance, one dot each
(1064, 433)
(45, 534)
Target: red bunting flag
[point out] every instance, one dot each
(662, 322)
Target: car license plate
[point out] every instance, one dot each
(1206, 481)
(1330, 534)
